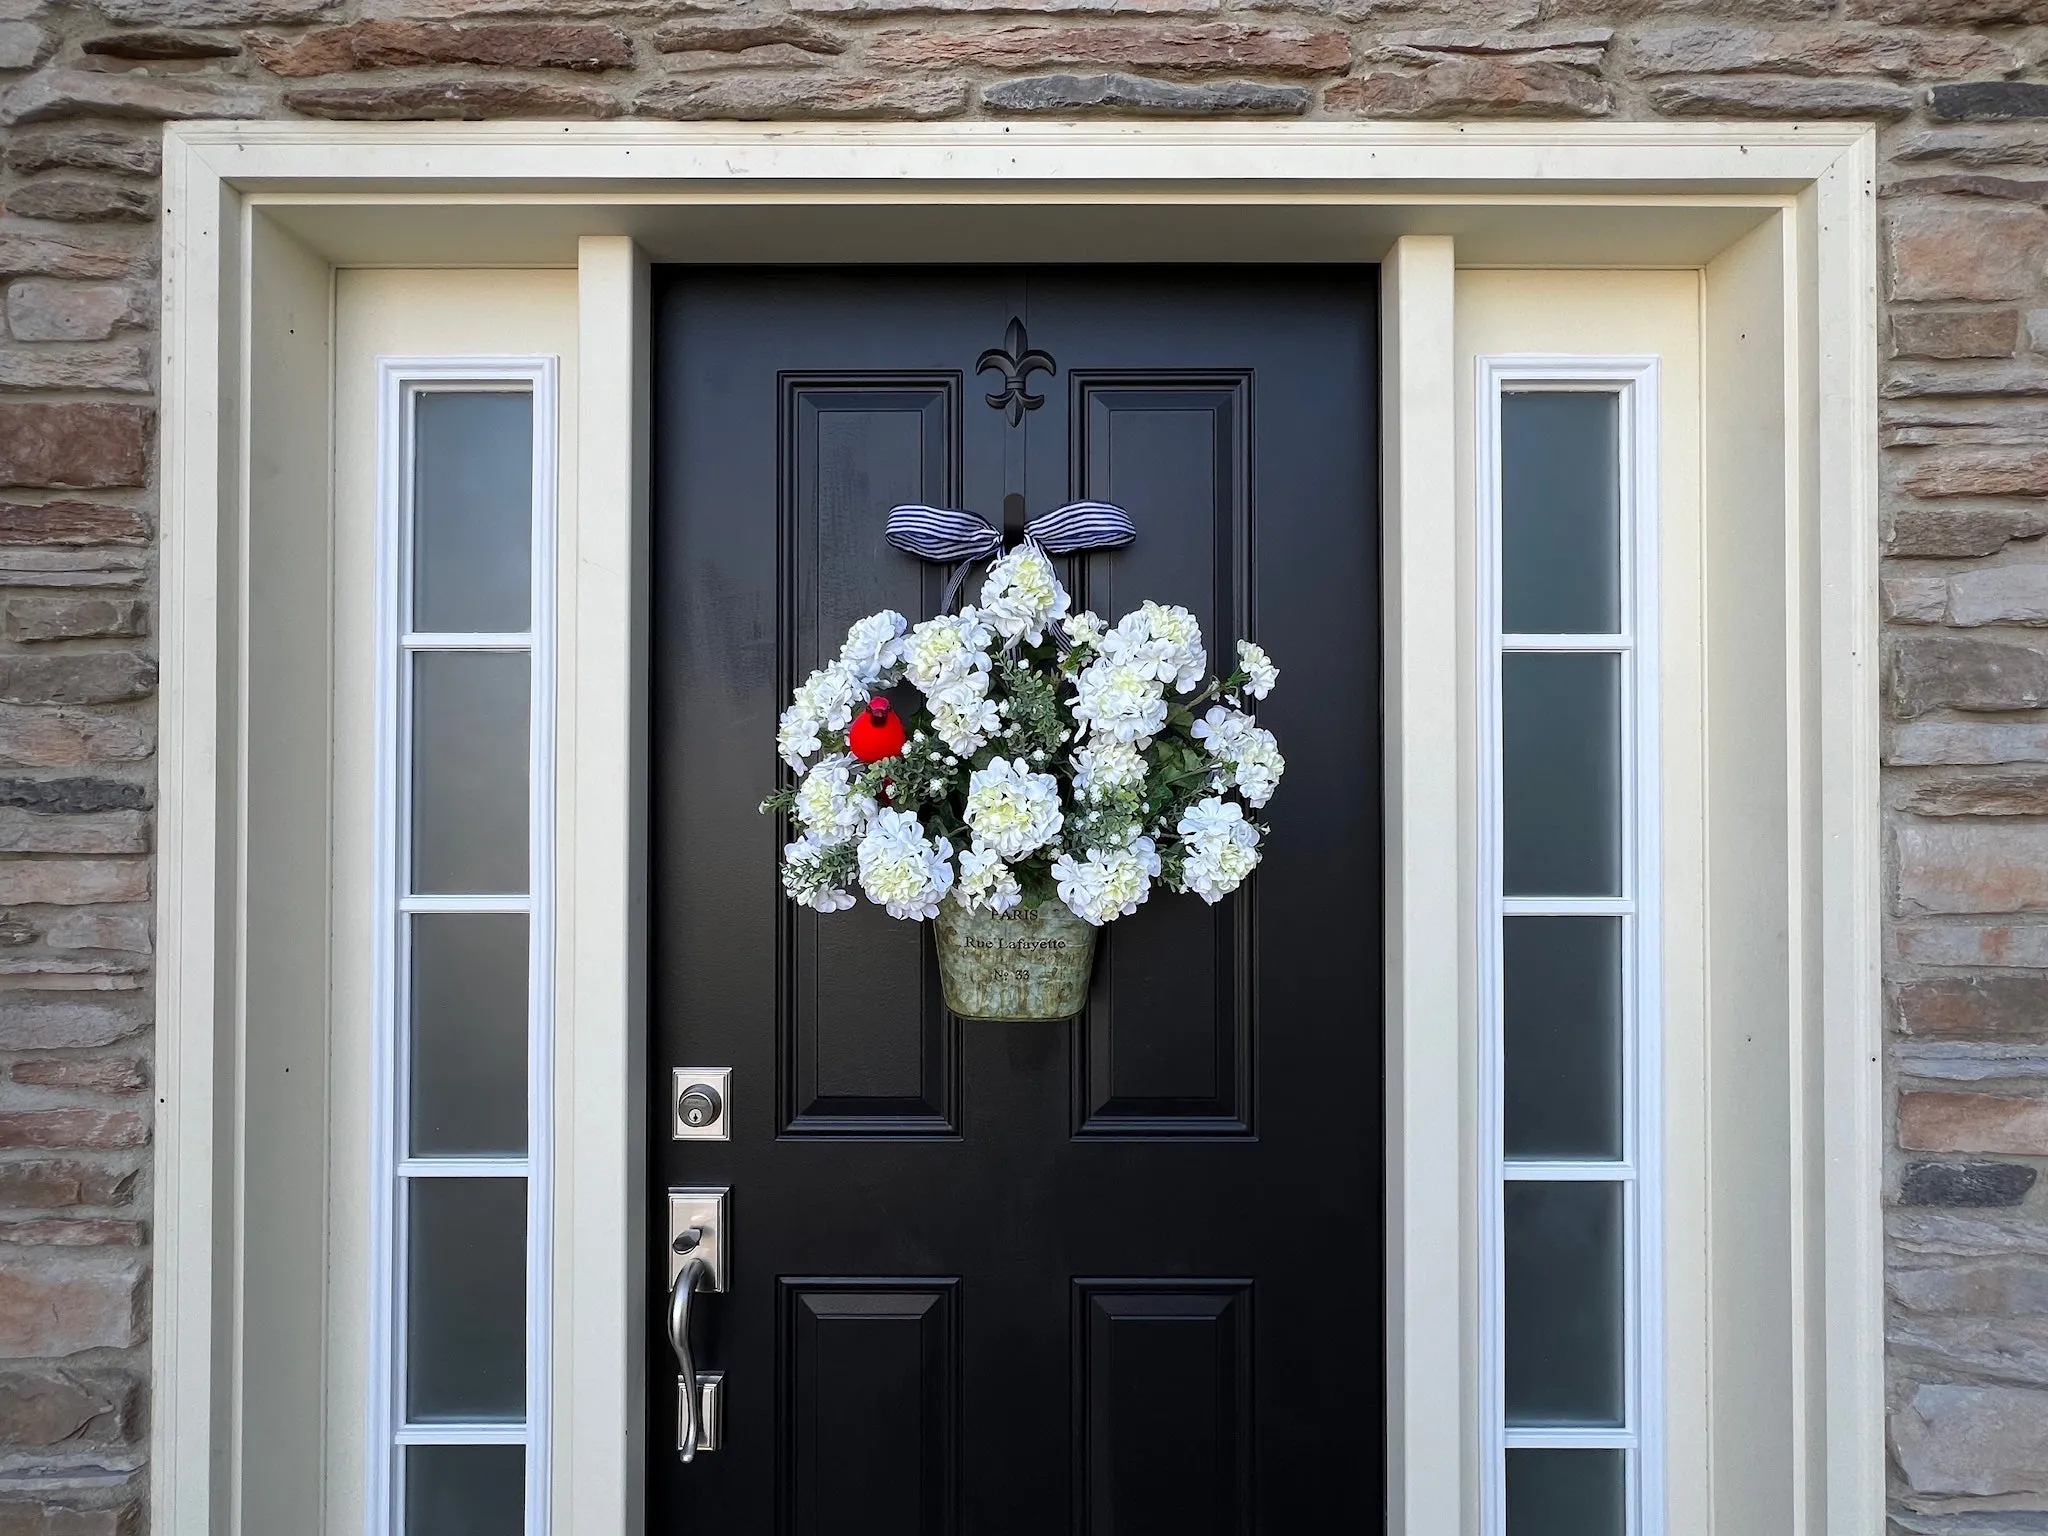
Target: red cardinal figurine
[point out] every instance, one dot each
(876, 734)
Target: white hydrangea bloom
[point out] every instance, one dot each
(1257, 765)
(1224, 730)
(823, 702)
(966, 723)
(903, 870)
(1022, 595)
(1012, 810)
(827, 803)
(1258, 668)
(986, 881)
(873, 651)
(1164, 641)
(800, 877)
(1121, 700)
(1106, 764)
(1221, 848)
(796, 737)
(1109, 883)
(1084, 628)
(947, 658)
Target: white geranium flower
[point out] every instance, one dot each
(827, 803)
(903, 870)
(1164, 641)
(965, 723)
(1022, 595)
(1224, 730)
(823, 702)
(1258, 668)
(986, 881)
(803, 877)
(1011, 809)
(1084, 628)
(1109, 883)
(1221, 848)
(1121, 700)
(1105, 765)
(1257, 766)
(874, 649)
(945, 654)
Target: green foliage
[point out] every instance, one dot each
(1034, 721)
(827, 868)
(1108, 820)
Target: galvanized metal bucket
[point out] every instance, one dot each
(1030, 964)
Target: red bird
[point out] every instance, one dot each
(876, 734)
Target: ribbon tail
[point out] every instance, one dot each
(954, 581)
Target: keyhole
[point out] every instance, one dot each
(699, 1105)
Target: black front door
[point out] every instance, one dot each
(1116, 1275)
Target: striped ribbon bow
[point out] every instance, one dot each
(947, 534)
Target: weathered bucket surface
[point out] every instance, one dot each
(1027, 964)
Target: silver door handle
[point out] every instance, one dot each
(688, 1278)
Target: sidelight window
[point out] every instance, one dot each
(462, 1042)
(1568, 936)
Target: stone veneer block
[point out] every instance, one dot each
(1960, 1439)
(1979, 1184)
(1968, 868)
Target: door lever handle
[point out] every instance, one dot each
(689, 1276)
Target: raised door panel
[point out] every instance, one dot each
(1163, 1410)
(1166, 1045)
(868, 1048)
(870, 1410)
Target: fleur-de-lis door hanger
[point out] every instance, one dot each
(1016, 360)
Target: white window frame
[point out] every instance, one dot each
(400, 383)
(1640, 1167)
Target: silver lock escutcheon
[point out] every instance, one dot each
(699, 1263)
(701, 1097)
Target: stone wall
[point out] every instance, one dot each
(1955, 85)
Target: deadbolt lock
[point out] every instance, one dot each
(699, 1105)
(702, 1103)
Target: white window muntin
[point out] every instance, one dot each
(1633, 380)
(402, 381)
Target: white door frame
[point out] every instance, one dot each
(257, 216)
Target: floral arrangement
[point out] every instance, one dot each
(1050, 753)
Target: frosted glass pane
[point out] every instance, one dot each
(1564, 1303)
(1567, 1493)
(1560, 477)
(469, 748)
(468, 1033)
(472, 512)
(465, 1490)
(466, 1300)
(1561, 1017)
(1561, 773)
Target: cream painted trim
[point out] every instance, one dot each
(1430, 1000)
(1846, 891)
(908, 162)
(223, 180)
(601, 1013)
(193, 1358)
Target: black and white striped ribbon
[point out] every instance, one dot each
(949, 534)
(943, 534)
